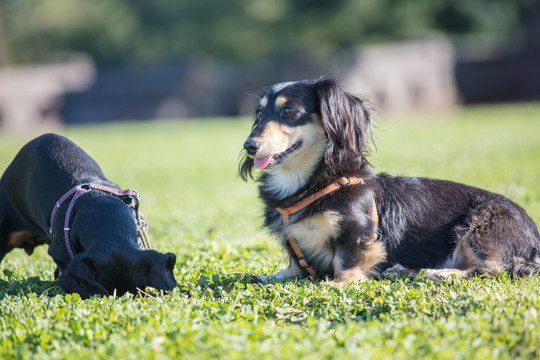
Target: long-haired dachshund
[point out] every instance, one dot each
(340, 220)
(55, 193)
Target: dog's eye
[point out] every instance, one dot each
(258, 113)
(289, 111)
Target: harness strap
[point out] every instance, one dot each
(287, 212)
(129, 196)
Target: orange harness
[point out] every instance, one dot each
(341, 182)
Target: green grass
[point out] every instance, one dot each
(198, 209)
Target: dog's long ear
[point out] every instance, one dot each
(347, 123)
(80, 277)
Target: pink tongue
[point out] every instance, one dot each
(262, 163)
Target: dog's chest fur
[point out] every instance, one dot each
(314, 233)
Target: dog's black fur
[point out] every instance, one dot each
(103, 229)
(442, 226)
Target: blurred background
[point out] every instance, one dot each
(80, 61)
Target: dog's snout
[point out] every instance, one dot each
(252, 146)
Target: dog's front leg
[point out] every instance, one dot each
(293, 270)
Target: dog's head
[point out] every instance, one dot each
(95, 274)
(307, 122)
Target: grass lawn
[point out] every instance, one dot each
(198, 209)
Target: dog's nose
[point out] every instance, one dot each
(252, 146)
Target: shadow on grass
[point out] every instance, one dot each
(32, 285)
(17, 286)
(228, 282)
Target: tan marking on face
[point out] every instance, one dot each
(314, 235)
(280, 137)
(293, 172)
(277, 138)
(275, 135)
(281, 100)
(313, 147)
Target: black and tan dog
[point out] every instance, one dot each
(98, 251)
(338, 219)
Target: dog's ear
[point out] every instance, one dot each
(170, 261)
(158, 270)
(347, 123)
(80, 277)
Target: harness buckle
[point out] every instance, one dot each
(344, 183)
(134, 203)
(86, 187)
(136, 195)
(303, 262)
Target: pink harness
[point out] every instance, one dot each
(129, 196)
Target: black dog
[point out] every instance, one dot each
(97, 251)
(337, 218)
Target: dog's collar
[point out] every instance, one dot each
(286, 212)
(129, 196)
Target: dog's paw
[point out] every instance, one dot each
(336, 283)
(397, 271)
(269, 279)
(448, 275)
(263, 279)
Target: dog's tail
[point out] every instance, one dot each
(522, 267)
